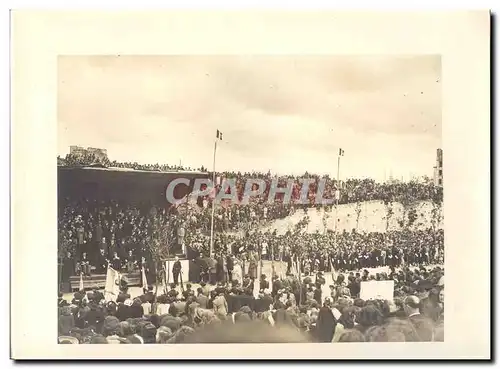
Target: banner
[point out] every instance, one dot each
(377, 290)
(334, 274)
(81, 281)
(112, 288)
(325, 289)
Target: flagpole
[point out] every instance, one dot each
(337, 201)
(213, 206)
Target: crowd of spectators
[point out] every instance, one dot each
(293, 306)
(89, 159)
(126, 233)
(92, 232)
(327, 252)
(286, 309)
(349, 191)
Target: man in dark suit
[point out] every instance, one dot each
(203, 265)
(230, 266)
(221, 269)
(101, 263)
(116, 262)
(212, 270)
(176, 270)
(103, 245)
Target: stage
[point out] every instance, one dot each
(99, 280)
(134, 279)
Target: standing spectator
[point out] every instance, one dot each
(325, 325)
(176, 270)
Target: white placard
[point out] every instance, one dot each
(374, 290)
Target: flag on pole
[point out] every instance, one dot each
(112, 288)
(334, 274)
(219, 135)
(341, 152)
(325, 288)
(81, 281)
(144, 280)
(256, 288)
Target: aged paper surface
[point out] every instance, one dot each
(460, 38)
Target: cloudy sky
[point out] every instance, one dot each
(283, 113)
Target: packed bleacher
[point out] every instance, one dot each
(89, 158)
(222, 301)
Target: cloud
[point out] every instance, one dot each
(270, 108)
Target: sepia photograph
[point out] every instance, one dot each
(250, 199)
(237, 185)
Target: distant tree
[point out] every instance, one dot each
(160, 244)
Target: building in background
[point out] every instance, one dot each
(438, 168)
(99, 154)
(77, 150)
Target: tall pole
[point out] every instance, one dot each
(213, 206)
(337, 195)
